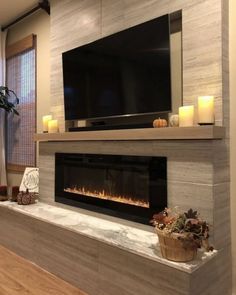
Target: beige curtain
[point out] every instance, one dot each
(3, 177)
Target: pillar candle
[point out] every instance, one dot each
(206, 110)
(46, 119)
(186, 116)
(52, 126)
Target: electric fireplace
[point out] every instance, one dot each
(130, 187)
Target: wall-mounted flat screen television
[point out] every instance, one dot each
(127, 73)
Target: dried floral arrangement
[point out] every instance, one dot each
(187, 227)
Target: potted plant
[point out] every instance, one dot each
(5, 96)
(181, 234)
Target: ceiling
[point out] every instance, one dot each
(12, 9)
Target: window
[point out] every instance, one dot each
(20, 73)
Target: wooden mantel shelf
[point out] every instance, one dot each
(169, 133)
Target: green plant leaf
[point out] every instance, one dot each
(5, 95)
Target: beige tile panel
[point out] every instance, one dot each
(202, 67)
(17, 234)
(58, 112)
(137, 275)
(120, 15)
(113, 16)
(56, 84)
(137, 11)
(191, 195)
(198, 172)
(71, 20)
(221, 161)
(187, 150)
(214, 277)
(222, 230)
(225, 62)
(47, 176)
(69, 256)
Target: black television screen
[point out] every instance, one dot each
(127, 73)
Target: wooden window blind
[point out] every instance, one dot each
(20, 73)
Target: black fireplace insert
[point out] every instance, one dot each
(130, 187)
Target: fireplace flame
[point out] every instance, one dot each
(106, 196)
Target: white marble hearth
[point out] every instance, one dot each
(137, 241)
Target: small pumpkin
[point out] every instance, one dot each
(159, 123)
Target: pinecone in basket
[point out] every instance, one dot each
(26, 198)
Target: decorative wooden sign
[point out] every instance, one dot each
(30, 180)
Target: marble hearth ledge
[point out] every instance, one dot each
(137, 241)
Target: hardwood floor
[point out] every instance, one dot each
(18, 276)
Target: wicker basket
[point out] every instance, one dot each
(172, 248)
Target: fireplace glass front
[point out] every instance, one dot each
(131, 187)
